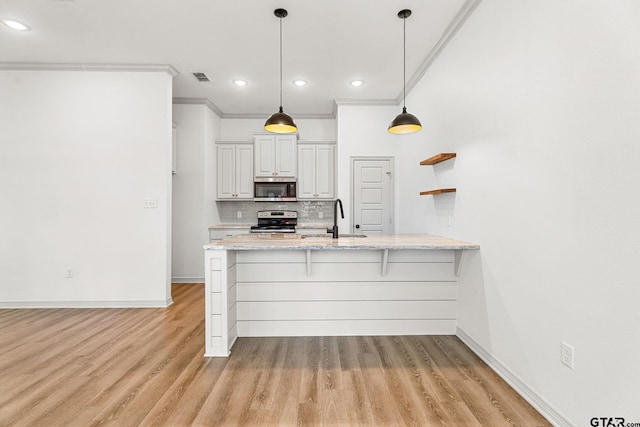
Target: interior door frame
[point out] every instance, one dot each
(392, 197)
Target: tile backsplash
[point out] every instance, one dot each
(308, 211)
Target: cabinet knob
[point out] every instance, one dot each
(357, 225)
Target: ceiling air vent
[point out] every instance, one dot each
(202, 77)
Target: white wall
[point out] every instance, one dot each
(193, 189)
(362, 131)
(79, 153)
(540, 100)
(308, 129)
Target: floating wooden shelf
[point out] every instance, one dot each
(437, 159)
(438, 191)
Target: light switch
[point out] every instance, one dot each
(150, 203)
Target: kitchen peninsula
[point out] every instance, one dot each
(297, 285)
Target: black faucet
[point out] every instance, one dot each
(334, 230)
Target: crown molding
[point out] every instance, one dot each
(367, 102)
(294, 115)
(466, 10)
(59, 66)
(363, 103)
(213, 107)
(199, 101)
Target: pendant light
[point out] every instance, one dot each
(280, 122)
(404, 122)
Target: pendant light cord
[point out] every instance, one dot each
(404, 63)
(280, 63)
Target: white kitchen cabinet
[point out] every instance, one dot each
(316, 166)
(235, 171)
(275, 155)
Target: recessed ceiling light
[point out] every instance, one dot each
(240, 82)
(16, 25)
(300, 83)
(356, 83)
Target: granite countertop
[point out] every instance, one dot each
(318, 225)
(230, 225)
(245, 225)
(283, 241)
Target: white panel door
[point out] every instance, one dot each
(372, 196)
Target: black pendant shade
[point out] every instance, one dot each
(280, 122)
(404, 122)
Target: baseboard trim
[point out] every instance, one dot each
(86, 304)
(197, 280)
(528, 394)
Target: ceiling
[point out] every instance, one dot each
(328, 43)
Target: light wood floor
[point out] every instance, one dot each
(129, 367)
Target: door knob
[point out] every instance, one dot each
(357, 225)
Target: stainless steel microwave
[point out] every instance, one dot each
(274, 189)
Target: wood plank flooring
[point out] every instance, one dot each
(145, 367)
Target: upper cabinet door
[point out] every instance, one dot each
(275, 155)
(325, 171)
(235, 171)
(285, 155)
(307, 172)
(244, 172)
(226, 171)
(265, 155)
(316, 165)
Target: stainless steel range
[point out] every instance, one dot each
(276, 222)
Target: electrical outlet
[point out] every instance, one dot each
(239, 214)
(69, 273)
(150, 203)
(566, 354)
(320, 215)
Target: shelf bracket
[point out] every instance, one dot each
(458, 261)
(385, 261)
(308, 262)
